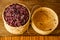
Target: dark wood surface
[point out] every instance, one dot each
(32, 5)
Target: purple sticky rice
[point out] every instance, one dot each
(16, 15)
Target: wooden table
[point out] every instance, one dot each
(31, 38)
(54, 2)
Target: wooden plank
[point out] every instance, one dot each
(31, 38)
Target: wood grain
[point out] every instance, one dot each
(31, 38)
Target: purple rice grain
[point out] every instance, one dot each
(16, 15)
